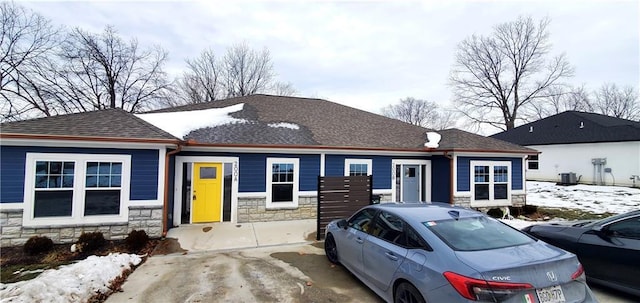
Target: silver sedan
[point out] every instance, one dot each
(439, 253)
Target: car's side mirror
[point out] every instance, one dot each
(343, 224)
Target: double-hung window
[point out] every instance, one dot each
(76, 188)
(490, 181)
(533, 163)
(282, 182)
(357, 167)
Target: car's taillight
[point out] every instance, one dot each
(476, 289)
(579, 274)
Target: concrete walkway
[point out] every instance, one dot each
(225, 236)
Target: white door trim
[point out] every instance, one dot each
(177, 188)
(426, 186)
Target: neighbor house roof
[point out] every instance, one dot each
(104, 124)
(277, 120)
(573, 127)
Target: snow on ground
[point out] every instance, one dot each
(592, 198)
(70, 283)
(79, 281)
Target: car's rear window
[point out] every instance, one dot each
(476, 233)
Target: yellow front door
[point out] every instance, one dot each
(207, 192)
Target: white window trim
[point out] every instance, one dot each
(533, 161)
(79, 189)
(296, 183)
(491, 201)
(348, 162)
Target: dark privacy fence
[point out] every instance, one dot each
(340, 197)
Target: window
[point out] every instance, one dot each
(388, 227)
(491, 181)
(362, 220)
(53, 193)
(476, 233)
(533, 162)
(75, 188)
(282, 182)
(103, 186)
(629, 228)
(357, 167)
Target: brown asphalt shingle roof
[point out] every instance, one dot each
(110, 123)
(328, 124)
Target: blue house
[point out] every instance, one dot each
(245, 159)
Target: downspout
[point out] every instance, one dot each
(165, 207)
(450, 157)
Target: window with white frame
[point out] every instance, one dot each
(533, 162)
(357, 167)
(490, 180)
(282, 182)
(75, 188)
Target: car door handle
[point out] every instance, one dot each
(359, 240)
(391, 256)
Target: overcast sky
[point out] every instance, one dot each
(366, 54)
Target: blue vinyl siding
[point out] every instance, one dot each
(381, 170)
(253, 169)
(440, 179)
(464, 167)
(144, 169)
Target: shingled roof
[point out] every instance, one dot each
(110, 123)
(327, 124)
(573, 127)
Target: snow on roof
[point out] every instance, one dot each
(76, 282)
(182, 123)
(284, 125)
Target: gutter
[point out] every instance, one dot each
(165, 205)
(450, 157)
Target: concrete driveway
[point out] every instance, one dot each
(255, 262)
(290, 273)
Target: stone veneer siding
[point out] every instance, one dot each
(516, 200)
(147, 218)
(254, 209)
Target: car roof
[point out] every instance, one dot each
(426, 211)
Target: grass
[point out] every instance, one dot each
(568, 213)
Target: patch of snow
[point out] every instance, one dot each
(592, 198)
(70, 283)
(182, 123)
(284, 125)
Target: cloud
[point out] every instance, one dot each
(367, 54)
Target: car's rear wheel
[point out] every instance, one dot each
(330, 249)
(407, 293)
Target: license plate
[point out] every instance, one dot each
(551, 294)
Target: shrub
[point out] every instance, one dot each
(89, 242)
(137, 239)
(37, 244)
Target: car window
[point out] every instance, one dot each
(388, 227)
(629, 228)
(413, 240)
(362, 220)
(476, 233)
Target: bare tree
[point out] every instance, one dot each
(420, 112)
(283, 89)
(246, 71)
(620, 102)
(495, 76)
(26, 37)
(103, 71)
(202, 80)
(558, 100)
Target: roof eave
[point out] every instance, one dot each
(88, 138)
